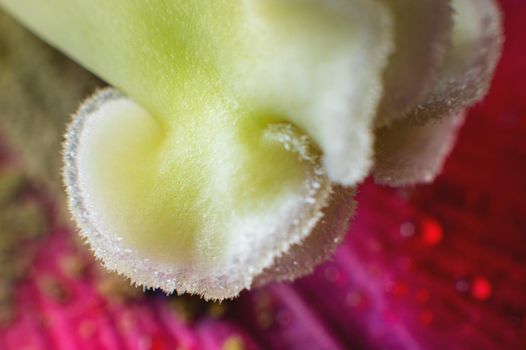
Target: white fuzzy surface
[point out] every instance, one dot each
(258, 239)
(470, 62)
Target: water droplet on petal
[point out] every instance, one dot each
(432, 233)
(481, 288)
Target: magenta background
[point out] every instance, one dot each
(441, 266)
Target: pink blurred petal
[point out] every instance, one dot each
(216, 334)
(284, 320)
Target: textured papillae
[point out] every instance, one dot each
(413, 150)
(229, 155)
(466, 74)
(253, 245)
(409, 153)
(422, 34)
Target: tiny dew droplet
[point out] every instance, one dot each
(432, 233)
(481, 288)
